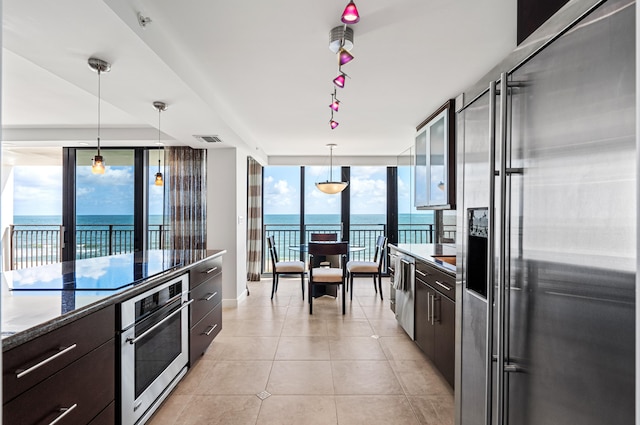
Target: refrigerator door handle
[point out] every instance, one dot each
(490, 256)
(502, 257)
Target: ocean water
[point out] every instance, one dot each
(328, 219)
(84, 220)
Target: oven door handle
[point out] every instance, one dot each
(152, 328)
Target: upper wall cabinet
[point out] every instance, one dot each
(435, 177)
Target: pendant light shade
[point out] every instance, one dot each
(330, 187)
(344, 57)
(160, 106)
(99, 66)
(339, 80)
(333, 124)
(350, 14)
(335, 105)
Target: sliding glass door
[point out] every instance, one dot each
(104, 204)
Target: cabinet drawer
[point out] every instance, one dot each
(204, 332)
(204, 270)
(441, 281)
(205, 297)
(87, 385)
(86, 334)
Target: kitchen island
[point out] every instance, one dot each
(61, 320)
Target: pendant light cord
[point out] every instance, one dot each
(159, 110)
(99, 111)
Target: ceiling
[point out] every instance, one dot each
(255, 73)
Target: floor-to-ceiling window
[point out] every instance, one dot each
(321, 211)
(104, 204)
(31, 206)
(368, 208)
(157, 233)
(281, 209)
(56, 209)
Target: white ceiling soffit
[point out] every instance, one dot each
(257, 74)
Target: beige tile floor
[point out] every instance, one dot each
(273, 363)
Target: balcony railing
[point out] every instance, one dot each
(287, 236)
(36, 245)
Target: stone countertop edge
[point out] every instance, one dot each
(423, 252)
(22, 337)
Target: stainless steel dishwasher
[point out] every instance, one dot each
(404, 284)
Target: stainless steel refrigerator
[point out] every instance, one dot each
(546, 157)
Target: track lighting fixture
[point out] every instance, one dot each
(344, 57)
(350, 14)
(341, 42)
(335, 103)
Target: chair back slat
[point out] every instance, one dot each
(324, 248)
(381, 244)
(272, 250)
(328, 237)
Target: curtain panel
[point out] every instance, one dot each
(186, 200)
(254, 219)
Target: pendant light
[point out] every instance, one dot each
(160, 106)
(350, 14)
(330, 187)
(99, 66)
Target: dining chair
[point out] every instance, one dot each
(327, 275)
(283, 267)
(366, 268)
(324, 237)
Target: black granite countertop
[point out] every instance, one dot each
(37, 300)
(427, 252)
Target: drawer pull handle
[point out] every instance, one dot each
(132, 341)
(423, 274)
(63, 350)
(211, 270)
(65, 411)
(207, 333)
(443, 285)
(210, 296)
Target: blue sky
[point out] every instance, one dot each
(38, 191)
(368, 190)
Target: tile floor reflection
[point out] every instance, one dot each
(273, 363)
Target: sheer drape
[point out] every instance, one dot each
(254, 219)
(185, 199)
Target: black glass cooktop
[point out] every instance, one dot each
(95, 274)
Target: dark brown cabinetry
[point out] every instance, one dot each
(67, 374)
(205, 283)
(435, 317)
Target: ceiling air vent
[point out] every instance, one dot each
(208, 139)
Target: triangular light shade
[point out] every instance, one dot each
(332, 188)
(333, 124)
(350, 14)
(344, 57)
(339, 81)
(335, 105)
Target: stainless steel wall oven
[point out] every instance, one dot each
(154, 347)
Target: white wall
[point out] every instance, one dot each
(226, 217)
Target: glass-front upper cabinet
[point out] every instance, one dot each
(435, 160)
